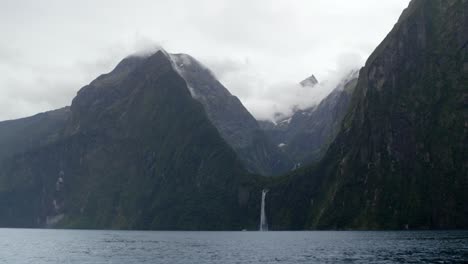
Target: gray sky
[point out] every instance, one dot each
(259, 49)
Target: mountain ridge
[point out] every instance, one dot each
(306, 134)
(234, 122)
(399, 160)
(138, 152)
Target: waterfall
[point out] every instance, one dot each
(263, 220)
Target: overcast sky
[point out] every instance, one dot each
(49, 49)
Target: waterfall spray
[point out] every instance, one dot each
(263, 220)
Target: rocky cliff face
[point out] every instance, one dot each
(137, 152)
(18, 136)
(235, 124)
(400, 159)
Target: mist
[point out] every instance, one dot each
(51, 49)
(269, 99)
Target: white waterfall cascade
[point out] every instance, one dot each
(263, 220)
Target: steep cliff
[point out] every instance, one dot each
(137, 152)
(18, 136)
(235, 124)
(400, 159)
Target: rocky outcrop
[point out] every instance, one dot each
(309, 82)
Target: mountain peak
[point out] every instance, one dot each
(309, 82)
(233, 121)
(183, 62)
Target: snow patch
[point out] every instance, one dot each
(286, 121)
(192, 91)
(179, 63)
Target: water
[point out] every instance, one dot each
(73, 246)
(263, 220)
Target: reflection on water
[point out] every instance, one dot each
(78, 246)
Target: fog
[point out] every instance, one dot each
(259, 49)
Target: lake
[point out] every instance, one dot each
(89, 246)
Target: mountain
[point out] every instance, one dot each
(18, 136)
(309, 82)
(137, 151)
(235, 124)
(306, 135)
(400, 158)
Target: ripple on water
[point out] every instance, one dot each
(74, 246)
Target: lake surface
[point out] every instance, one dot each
(77, 246)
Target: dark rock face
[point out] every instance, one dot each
(18, 136)
(235, 124)
(309, 82)
(400, 159)
(306, 135)
(137, 152)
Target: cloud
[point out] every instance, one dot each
(268, 99)
(28, 86)
(255, 47)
